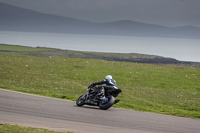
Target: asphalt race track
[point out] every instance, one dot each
(62, 115)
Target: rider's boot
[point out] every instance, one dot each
(116, 101)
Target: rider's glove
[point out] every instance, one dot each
(91, 86)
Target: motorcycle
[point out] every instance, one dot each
(93, 98)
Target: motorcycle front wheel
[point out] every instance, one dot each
(81, 100)
(108, 103)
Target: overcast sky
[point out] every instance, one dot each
(164, 12)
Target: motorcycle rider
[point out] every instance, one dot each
(111, 84)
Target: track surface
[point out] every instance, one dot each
(62, 115)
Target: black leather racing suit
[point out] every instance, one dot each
(111, 84)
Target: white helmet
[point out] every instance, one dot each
(108, 77)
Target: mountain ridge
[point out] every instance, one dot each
(19, 19)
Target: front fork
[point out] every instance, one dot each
(85, 95)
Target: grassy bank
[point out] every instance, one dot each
(172, 90)
(7, 128)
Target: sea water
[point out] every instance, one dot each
(180, 49)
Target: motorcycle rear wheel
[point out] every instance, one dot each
(108, 103)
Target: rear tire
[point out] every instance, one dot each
(81, 100)
(108, 103)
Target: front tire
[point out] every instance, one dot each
(81, 100)
(108, 103)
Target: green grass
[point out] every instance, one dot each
(171, 90)
(7, 128)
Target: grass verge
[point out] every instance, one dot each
(7, 128)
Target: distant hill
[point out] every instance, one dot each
(122, 57)
(14, 18)
(19, 19)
